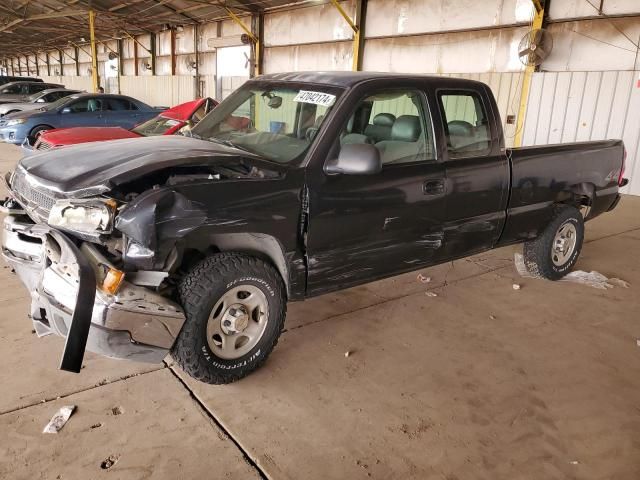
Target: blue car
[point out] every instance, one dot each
(81, 110)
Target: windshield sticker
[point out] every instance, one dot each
(317, 98)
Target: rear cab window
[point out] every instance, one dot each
(466, 123)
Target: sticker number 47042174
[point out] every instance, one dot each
(317, 98)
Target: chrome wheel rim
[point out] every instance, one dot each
(564, 244)
(237, 322)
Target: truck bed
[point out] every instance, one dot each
(588, 169)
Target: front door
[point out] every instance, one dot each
(84, 112)
(371, 226)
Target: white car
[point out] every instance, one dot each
(37, 100)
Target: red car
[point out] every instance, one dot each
(167, 123)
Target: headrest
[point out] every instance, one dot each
(384, 120)
(406, 128)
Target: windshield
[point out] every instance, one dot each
(33, 97)
(156, 126)
(277, 123)
(58, 103)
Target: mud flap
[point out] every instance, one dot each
(76, 341)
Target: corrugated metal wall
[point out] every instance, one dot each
(580, 106)
(159, 90)
(73, 83)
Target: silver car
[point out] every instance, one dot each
(36, 101)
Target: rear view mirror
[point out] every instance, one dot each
(355, 159)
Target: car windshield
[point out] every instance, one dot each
(58, 103)
(33, 97)
(277, 123)
(156, 126)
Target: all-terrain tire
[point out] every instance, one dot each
(539, 253)
(199, 292)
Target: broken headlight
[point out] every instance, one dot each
(93, 217)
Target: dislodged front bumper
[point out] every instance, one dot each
(136, 323)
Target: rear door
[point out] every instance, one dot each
(364, 227)
(477, 169)
(120, 112)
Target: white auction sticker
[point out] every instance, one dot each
(317, 98)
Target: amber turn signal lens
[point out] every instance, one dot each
(112, 281)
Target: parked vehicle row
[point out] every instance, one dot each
(36, 101)
(84, 109)
(168, 122)
(20, 91)
(296, 185)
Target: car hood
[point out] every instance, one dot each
(92, 168)
(20, 106)
(24, 114)
(71, 136)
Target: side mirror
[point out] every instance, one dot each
(40, 100)
(355, 159)
(66, 110)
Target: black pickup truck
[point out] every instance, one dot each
(296, 185)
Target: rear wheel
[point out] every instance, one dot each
(554, 253)
(235, 306)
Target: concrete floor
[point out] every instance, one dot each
(480, 382)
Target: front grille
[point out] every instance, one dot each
(42, 145)
(35, 200)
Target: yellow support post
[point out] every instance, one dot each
(255, 40)
(526, 81)
(94, 51)
(356, 34)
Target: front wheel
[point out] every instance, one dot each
(33, 136)
(235, 307)
(554, 253)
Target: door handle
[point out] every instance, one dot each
(433, 187)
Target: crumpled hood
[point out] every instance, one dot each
(101, 166)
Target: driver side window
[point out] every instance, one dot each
(395, 122)
(466, 124)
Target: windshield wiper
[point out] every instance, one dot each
(229, 143)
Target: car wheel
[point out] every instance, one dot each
(33, 136)
(235, 306)
(554, 253)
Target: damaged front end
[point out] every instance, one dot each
(78, 294)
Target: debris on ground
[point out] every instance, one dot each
(117, 410)
(616, 282)
(59, 419)
(431, 294)
(492, 317)
(592, 279)
(638, 342)
(423, 279)
(574, 462)
(96, 425)
(516, 286)
(109, 462)
(347, 353)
